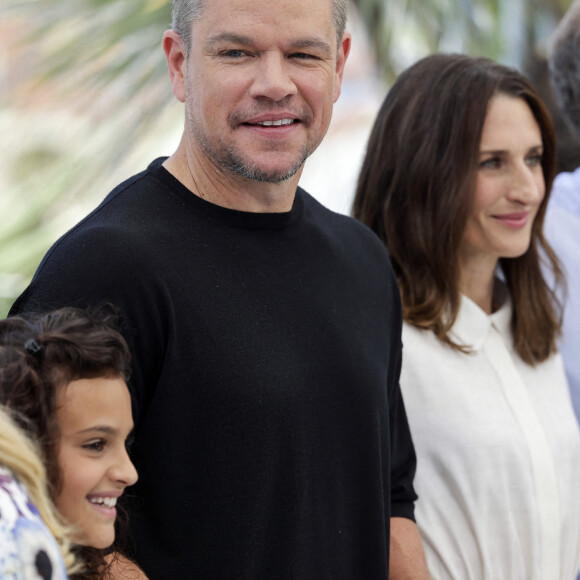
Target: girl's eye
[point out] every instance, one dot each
(95, 445)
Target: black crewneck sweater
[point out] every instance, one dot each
(271, 439)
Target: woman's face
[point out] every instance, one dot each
(94, 417)
(510, 184)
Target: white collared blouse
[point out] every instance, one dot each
(498, 450)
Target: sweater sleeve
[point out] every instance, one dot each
(403, 458)
(105, 267)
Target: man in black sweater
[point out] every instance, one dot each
(271, 438)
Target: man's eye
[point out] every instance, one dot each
(234, 53)
(303, 56)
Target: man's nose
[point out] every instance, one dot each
(272, 78)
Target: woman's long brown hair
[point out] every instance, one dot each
(416, 188)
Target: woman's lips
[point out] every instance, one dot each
(513, 220)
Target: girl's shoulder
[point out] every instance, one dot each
(27, 549)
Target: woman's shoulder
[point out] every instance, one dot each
(415, 337)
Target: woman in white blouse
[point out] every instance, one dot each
(455, 181)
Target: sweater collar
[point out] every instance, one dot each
(225, 215)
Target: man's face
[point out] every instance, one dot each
(261, 80)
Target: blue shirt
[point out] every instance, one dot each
(562, 230)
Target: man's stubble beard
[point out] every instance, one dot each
(227, 157)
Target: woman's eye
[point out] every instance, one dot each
(95, 445)
(492, 163)
(534, 160)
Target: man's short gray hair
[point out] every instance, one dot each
(564, 63)
(185, 11)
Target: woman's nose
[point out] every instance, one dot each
(527, 184)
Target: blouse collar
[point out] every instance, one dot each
(473, 324)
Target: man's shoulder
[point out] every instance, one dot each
(562, 221)
(349, 228)
(107, 251)
(354, 246)
(124, 212)
(115, 235)
(134, 194)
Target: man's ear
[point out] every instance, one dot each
(342, 55)
(176, 62)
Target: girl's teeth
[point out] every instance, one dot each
(106, 501)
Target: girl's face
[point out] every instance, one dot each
(94, 417)
(510, 184)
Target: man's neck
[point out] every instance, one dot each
(228, 190)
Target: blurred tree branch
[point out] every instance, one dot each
(86, 83)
